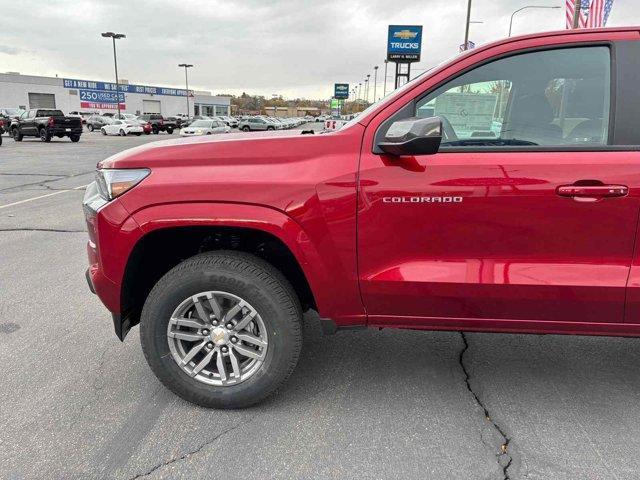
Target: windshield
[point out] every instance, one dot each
(201, 123)
(14, 111)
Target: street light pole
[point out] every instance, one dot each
(386, 62)
(530, 6)
(466, 28)
(114, 37)
(375, 82)
(366, 82)
(186, 81)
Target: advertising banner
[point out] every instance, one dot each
(124, 88)
(404, 43)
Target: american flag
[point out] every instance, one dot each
(593, 13)
(570, 12)
(599, 11)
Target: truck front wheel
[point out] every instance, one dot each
(222, 329)
(17, 136)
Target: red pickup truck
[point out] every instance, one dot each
(499, 192)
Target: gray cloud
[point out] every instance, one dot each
(289, 47)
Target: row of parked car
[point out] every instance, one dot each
(50, 123)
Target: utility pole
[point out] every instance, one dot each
(186, 81)
(576, 14)
(114, 37)
(466, 28)
(375, 82)
(386, 62)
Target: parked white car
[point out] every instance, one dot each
(123, 128)
(205, 127)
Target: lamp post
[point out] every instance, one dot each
(186, 81)
(466, 28)
(366, 89)
(524, 8)
(386, 63)
(114, 37)
(375, 82)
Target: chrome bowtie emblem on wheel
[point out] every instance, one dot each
(217, 338)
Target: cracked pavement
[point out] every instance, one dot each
(76, 403)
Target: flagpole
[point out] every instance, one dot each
(576, 14)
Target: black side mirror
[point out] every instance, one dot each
(413, 136)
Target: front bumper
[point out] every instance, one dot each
(108, 224)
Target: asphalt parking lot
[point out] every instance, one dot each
(77, 403)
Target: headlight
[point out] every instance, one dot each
(114, 182)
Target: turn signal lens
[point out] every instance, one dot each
(114, 182)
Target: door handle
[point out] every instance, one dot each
(592, 192)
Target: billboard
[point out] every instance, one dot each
(341, 91)
(125, 88)
(404, 43)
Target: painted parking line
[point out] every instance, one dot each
(43, 196)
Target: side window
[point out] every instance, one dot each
(547, 98)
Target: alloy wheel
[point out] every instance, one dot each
(217, 338)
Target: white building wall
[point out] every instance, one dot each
(15, 89)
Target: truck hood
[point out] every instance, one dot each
(192, 151)
(282, 170)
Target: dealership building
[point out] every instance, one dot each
(74, 95)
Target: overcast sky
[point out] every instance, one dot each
(294, 48)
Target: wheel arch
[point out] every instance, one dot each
(173, 233)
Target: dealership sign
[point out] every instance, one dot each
(404, 43)
(124, 88)
(341, 91)
(100, 99)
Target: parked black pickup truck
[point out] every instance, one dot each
(46, 124)
(158, 123)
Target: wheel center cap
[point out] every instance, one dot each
(219, 336)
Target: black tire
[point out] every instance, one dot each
(104, 132)
(75, 138)
(246, 128)
(155, 130)
(138, 134)
(123, 133)
(270, 128)
(169, 131)
(90, 127)
(0, 139)
(44, 135)
(147, 133)
(17, 136)
(249, 278)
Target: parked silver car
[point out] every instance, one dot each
(255, 123)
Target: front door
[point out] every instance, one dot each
(524, 214)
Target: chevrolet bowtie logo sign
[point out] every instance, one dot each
(404, 43)
(405, 34)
